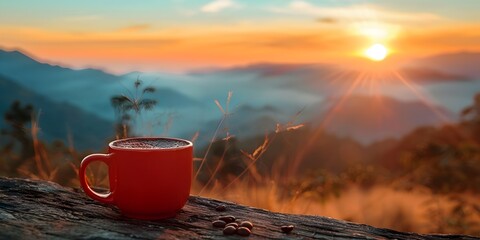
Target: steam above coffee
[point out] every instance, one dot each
(159, 143)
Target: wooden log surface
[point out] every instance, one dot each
(45, 210)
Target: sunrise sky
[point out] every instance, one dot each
(179, 35)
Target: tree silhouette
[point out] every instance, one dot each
(471, 118)
(126, 105)
(17, 117)
(473, 112)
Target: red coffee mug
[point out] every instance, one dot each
(145, 183)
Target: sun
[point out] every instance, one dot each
(377, 52)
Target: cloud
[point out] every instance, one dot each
(136, 28)
(217, 6)
(327, 20)
(353, 12)
(42, 37)
(295, 41)
(453, 38)
(425, 75)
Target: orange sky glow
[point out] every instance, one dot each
(146, 47)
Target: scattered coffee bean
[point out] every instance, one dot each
(229, 230)
(287, 229)
(246, 224)
(243, 231)
(219, 223)
(232, 224)
(221, 208)
(227, 219)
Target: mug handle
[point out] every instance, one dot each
(106, 158)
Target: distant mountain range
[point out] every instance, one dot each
(263, 95)
(58, 121)
(370, 119)
(459, 63)
(89, 89)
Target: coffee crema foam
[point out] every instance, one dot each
(150, 143)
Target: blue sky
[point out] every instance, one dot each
(108, 14)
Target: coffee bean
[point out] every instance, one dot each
(287, 229)
(227, 219)
(219, 223)
(232, 224)
(246, 224)
(221, 208)
(243, 231)
(229, 230)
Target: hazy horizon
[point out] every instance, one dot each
(160, 70)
